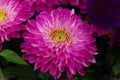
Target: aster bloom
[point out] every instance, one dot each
(12, 14)
(104, 13)
(59, 41)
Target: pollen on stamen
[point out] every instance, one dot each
(60, 35)
(2, 14)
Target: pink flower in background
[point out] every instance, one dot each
(100, 32)
(12, 14)
(59, 41)
(78, 3)
(112, 36)
(49, 4)
(44, 4)
(83, 6)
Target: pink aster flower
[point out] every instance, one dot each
(12, 14)
(59, 41)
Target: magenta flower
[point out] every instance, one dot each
(50, 4)
(59, 41)
(81, 4)
(12, 14)
(44, 4)
(100, 32)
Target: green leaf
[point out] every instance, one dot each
(45, 76)
(22, 72)
(116, 69)
(75, 78)
(1, 73)
(12, 57)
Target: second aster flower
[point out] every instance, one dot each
(59, 41)
(12, 14)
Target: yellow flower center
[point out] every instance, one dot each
(2, 15)
(60, 35)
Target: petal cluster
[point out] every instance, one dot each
(12, 14)
(70, 47)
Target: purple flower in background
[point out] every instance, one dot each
(104, 13)
(59, 41)
(12, 14)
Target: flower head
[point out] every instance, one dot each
(12, 14)
(59, 41)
